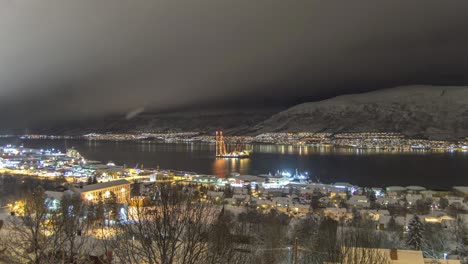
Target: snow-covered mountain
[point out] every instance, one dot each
(435, 112)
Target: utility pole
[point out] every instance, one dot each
(295, 250)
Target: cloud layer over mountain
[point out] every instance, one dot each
(79, 59)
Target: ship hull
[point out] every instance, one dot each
(233, 156)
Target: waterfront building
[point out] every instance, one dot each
(206, 180)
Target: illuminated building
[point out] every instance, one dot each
(104, 190)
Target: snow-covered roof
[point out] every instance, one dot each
(103, 185)
(396, 189)
(462, 189)
(415, 188)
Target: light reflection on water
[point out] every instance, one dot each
(326, 150)
(267, 148)
(330, 164)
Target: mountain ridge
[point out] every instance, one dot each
(435, 112)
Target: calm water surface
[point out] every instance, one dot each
(361, 167)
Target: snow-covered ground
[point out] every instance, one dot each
(438, 112)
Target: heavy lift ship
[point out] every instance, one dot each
(221, 149)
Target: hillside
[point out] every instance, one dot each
(420, 111)
(426, 111)
(233, 121)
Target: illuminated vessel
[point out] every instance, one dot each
(221, 151)
(235, 155)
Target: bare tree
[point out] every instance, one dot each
(173, 229)
(436, 241)
(74, 229)
(460, 236)
(336, 242)
(229, 242)
(30, 237)
(271, 237)
(307, 231)
(46, 231)
(392, 237)
(27, 233)
(361, 244)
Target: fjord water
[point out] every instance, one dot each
(430, 169)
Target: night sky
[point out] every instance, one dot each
(81, 59)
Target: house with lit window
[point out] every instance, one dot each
(336, 213)
(300, 209)
(360, 201)
(104, 190)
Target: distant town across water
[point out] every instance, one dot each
(363, 167)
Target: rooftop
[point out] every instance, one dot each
(415, 188)
(395, 189)
(103, 185)
(462, 189)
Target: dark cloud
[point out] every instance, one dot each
(71, 59)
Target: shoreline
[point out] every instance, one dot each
(382, 142)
